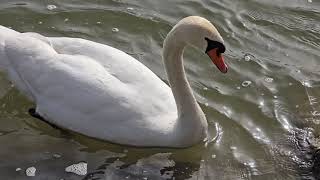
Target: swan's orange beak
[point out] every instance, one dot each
(218, 60)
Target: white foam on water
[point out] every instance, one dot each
(79, 169)
(31, 171)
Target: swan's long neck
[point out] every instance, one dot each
(190, 115)
(173, 61)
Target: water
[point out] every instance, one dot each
(266, 130)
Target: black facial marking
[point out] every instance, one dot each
(215, 44)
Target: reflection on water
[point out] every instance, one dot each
(263, 115)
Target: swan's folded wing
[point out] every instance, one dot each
(5, 33)
(152, 90)
(76, 83)
(24, 56)
(78, 93)
(123, 66)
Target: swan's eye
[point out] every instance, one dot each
(215, 44)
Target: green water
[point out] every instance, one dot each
(266, 130)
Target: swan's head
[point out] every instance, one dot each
(200, 33)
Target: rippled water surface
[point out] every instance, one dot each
(265, 111)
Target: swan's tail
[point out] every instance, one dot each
(4, 34)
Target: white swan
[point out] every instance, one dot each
(102, 92)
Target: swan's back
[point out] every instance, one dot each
(92, 88)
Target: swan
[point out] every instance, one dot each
(104, 93)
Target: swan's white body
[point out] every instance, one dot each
(102, 92)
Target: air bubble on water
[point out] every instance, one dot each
(66, 19)
(205, 88)
(79, 169)
(248, 57)
(40, 22)
(213, 156)
(56, 155)
(238, 87)
(297, 106)
(51, 7)
(206, 104)
(268, 79)
(233, 148)
(276, 97)
(130, 8)
(18, 169)
(290, 84)
(31, 171)
(309, 1)
(115, 30)
(99, 22)
(246, 83)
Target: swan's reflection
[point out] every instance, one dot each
(157, 166)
